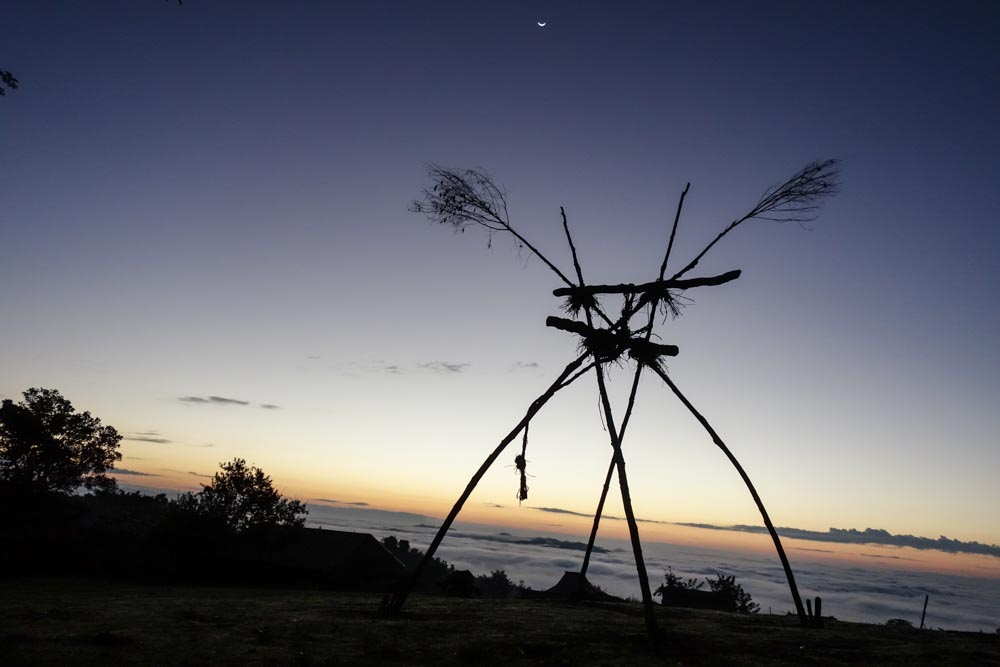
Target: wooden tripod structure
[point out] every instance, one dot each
(469, 197)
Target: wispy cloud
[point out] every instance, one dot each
(558, 510)
(359, 368)
(152, 436)
(270, 406)
(184, 472)
(155, 438)
(212, 400)
(124, 471)
(356, 503)
(524, 365)
(314, 356)
(148, 438)
(444, 366)
(885, 556)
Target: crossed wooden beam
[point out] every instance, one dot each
(470, 197)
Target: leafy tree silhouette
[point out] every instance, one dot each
(497, 584)
(436, 569)
(726, 585)
(242, 497)
(672, 581)
(45, 445)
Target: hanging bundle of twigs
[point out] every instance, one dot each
(521, 463)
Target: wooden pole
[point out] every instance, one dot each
(633, 527)
(635, 382)
(616, 444)
(655, 289)
(924, 614)
(392, 604)
(597, 523)
(803, 619)
(656, 295)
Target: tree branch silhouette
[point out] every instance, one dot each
(7, 82)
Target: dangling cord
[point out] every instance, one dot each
(521, 463)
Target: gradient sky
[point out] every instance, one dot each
(210, 200)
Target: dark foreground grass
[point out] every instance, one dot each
(85, 623)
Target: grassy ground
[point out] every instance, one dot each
(83, 623)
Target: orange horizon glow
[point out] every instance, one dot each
(530, 519)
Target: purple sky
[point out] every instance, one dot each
(210, 200)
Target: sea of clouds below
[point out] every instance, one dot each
(849, 593)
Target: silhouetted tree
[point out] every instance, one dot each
(435, 569)
(673, 582)
(726, 585)
(497, 584)
(460, 584)
(45, 445)
(242, 497)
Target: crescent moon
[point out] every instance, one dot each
(541, 24)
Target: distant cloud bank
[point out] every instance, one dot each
(841, 535)
(550, 542)
(867, 536)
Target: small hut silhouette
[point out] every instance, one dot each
(574, 585)
(463, 198)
